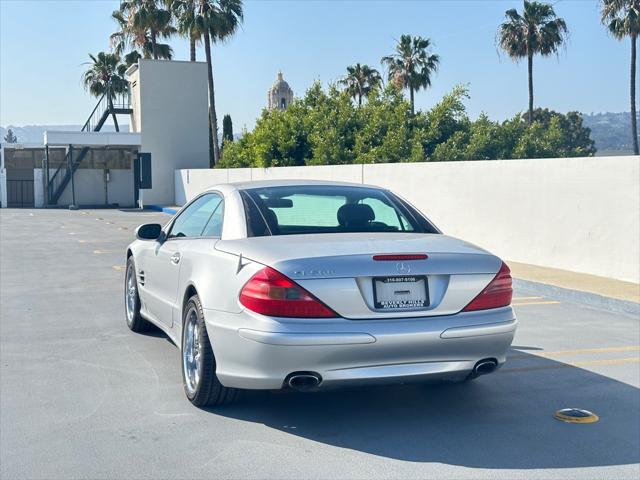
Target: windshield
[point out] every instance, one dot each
(290, 210)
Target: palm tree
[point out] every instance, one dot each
(142, 23)
(217, 20)
(360, 80)
(105, 76)
(622, 18)
(411, 66)
(537, 30)
(185, 13)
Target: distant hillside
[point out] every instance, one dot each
(611, 132)
(35, 133)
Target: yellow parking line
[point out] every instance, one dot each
(582, 351)
(611, 361)
(549, 302)
(118, 267)
(103, 251)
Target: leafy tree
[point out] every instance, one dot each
(105, 76)
(217, 20)
(360, 80)
(479, 140)
(622, 18)
(386, 132)
(227, 129)
(576, 138)
(10, 137)
(142, 23)
(186, 14)
(446, 118)
(537, 31)
(411, 66)
(540, 142)
(327, 128)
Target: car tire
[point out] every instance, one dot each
(134, 320)
(201, 385)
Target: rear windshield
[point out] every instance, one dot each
(289, 210)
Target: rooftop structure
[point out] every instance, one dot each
(166, 106)
(280, 95)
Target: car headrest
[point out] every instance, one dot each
(355, 215)
(272, 220)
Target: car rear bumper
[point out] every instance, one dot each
(257, 352)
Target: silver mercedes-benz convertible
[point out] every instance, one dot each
(309, 285)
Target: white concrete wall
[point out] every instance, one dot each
(89, 185)
(89, 188)
(94, 139)
(171, 112)
(120, 188)
(577, 214)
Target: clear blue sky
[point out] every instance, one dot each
(45, 42)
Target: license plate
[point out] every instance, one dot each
(400, 293)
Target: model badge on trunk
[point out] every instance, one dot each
(314, 273)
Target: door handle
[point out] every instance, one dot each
(175, 258)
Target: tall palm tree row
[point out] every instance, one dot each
(217, 20)
(142, 23)
(360, 80)
(411, 65)
(105, 76)
(537, 31)
(185, 13)
(622, 18)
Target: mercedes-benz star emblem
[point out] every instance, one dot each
(403, 268)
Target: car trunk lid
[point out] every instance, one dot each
(341, 271)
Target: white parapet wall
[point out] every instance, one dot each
(169, 100)
(577, 214)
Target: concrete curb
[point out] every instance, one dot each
(580, 297)
(160, 208)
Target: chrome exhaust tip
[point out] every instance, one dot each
(303, 381)
(484, 367)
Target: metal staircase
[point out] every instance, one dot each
(108, 105)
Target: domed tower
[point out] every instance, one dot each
(280, 94)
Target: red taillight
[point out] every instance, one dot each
(497, 294)
(271, 293)
(400, 257)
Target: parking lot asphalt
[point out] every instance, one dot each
(83, 397)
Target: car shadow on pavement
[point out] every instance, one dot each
(499, 421)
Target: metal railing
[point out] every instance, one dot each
(105, 106)
(109, 104)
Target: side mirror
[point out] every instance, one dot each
(149, 231)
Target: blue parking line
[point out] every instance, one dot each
(160, 208)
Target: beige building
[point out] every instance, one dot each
(279, 95)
